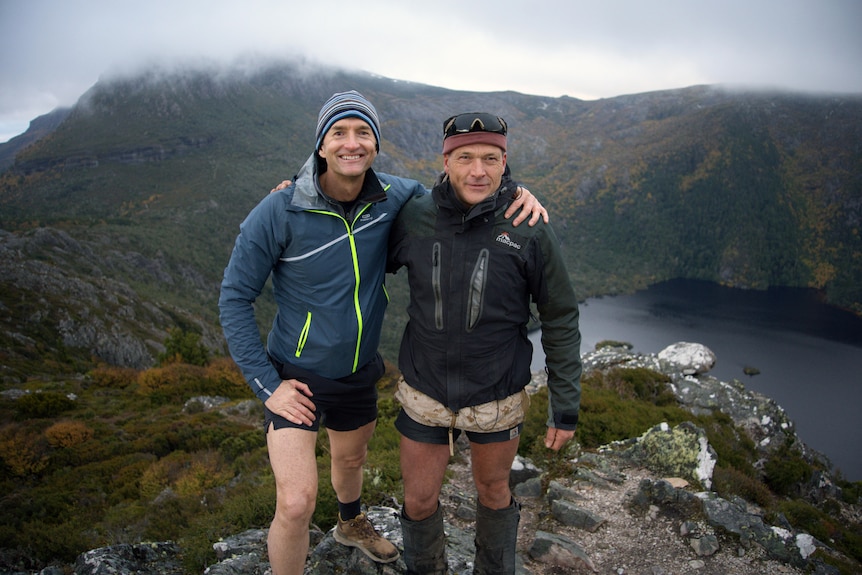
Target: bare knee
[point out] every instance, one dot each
(419, 507)
(295, 507)
(350, 461)
(494, 494)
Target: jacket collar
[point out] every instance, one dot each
(308, 194)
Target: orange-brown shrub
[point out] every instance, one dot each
(186, 474)
(113, 376)
(224, 378)
(173, 383)
(21, 453)
(177, 382)
(68, 434)
(205, 471)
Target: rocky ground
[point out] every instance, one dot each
(625, 544)
(618, 517)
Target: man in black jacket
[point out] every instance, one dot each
(465, 355)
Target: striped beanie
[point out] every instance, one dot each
(341, 105)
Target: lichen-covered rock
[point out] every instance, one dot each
(683, 451)
(143, 559)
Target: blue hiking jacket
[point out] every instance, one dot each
(327, 272)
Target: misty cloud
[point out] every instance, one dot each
(52, 52)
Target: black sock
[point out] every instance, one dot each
(348, 511)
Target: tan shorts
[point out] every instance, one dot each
(497, 415)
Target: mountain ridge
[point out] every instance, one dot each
(747, 189)
(116, 224)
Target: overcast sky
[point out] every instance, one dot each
(52, 51)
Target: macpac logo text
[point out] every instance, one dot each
(505, 239)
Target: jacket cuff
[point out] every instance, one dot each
(567, 421)
(264, 389)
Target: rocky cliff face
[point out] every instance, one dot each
(635, 507)
(62, 298)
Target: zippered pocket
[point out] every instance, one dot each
(303, 335)
(436, 264)
(476, 292)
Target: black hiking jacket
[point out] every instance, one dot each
(472, 276)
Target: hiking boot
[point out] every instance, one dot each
(359, 533)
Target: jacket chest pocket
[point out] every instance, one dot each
(476, 289)
(471, 287)
(436, 265)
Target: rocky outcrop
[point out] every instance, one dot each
(128, 156)
(761, 417)
(61, 295)
(638, 506)
(687, 358)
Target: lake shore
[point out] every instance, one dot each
(807, 354)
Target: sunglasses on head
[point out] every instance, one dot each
(474, 122)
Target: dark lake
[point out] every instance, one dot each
(809, 354)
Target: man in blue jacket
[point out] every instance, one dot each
(323, 241)
(465, 355)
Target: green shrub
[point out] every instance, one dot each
(641, 383)
(44, 404)
(249, 505)
(532, 445)
(734, 448)
(237, 445)
(785, 471)
(806, 517)
(183, 347)
(61, 539)
(851, 492)
(169, 518)
(729, 482)
(124, 484)
(606, 417)
(535, 425)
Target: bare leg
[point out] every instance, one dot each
(492, 463)
(349, 450)
(291, 455)
(423, 466)
(497, 514)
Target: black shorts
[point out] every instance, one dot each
(412, 429)
(343, 404)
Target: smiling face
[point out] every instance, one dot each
(349, 148)
(475, 171)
